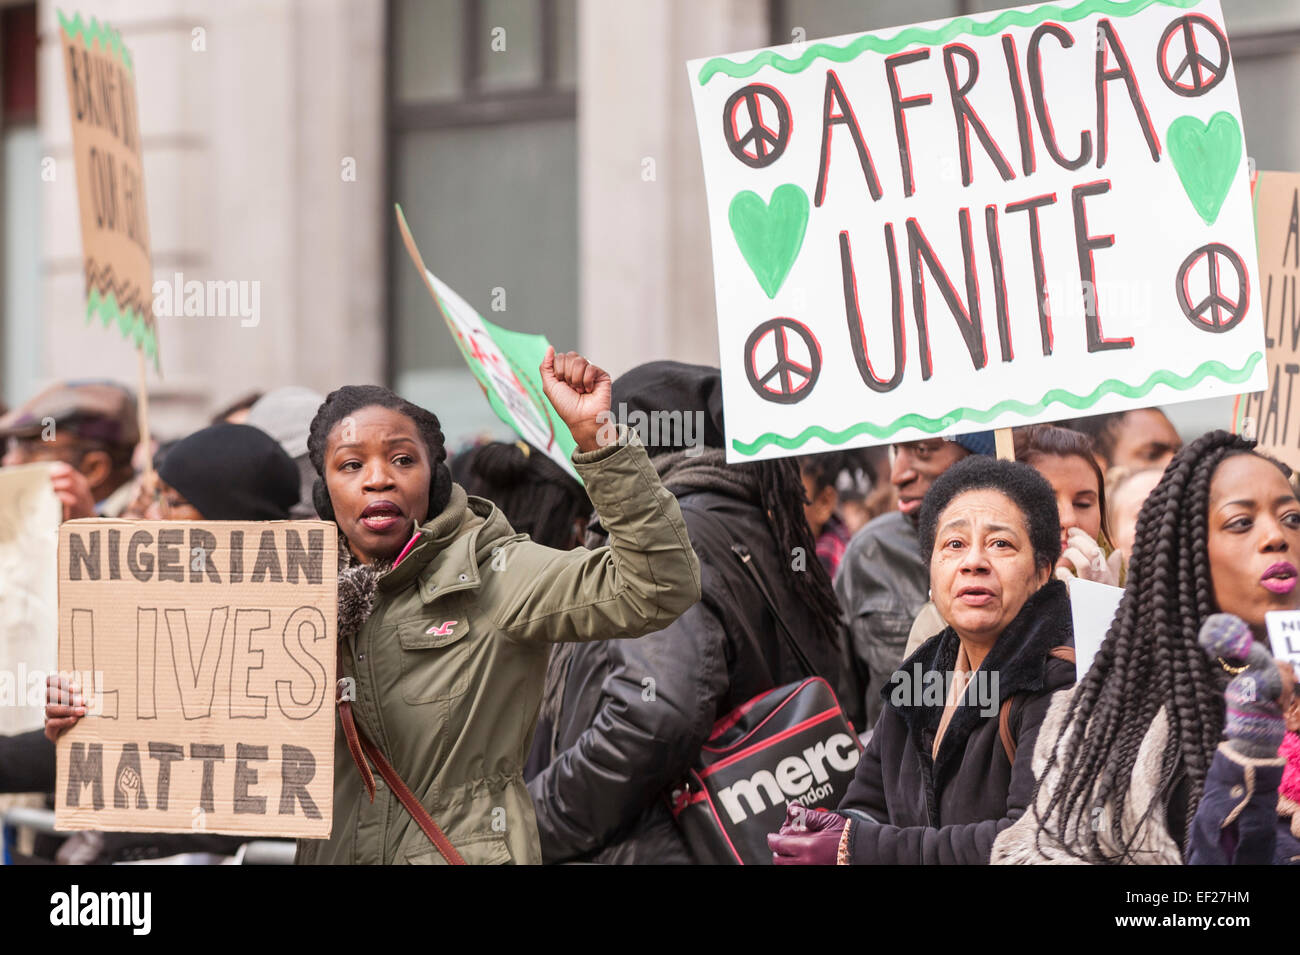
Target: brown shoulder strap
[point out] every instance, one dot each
(359, 744)
(1063, 653)
(1004, 711)
(1004, 729)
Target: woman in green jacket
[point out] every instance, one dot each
(446, 616)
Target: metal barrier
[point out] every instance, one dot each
(40, 820)
(266, 852)
(254, 852)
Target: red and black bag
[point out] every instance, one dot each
(792, 743)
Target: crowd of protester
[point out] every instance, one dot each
(929, 557)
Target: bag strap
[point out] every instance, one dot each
(1004, 729)
(1004, 711)
(747, 561)
(360, 747)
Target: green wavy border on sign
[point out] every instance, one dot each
(961, 26)
(1214, 369)
(110, 41)
(130, 322)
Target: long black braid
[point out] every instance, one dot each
(1149, 660)
(782, 498)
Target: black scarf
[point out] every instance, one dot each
(1019, 657)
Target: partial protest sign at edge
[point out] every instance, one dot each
(1266, 416)
(1284, 635)
(505, 363)
(115, 237)
(29, 533)
(116, 247)
(1093, 607)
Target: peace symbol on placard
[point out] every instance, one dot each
(751, 139)
(792, 376)
(1218, 311)
(1194, 73)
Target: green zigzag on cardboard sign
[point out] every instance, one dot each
(1054, 396)
(110, 41)
(962, 26)
(130, 322)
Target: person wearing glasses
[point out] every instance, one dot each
(88, 430)
(883, 581)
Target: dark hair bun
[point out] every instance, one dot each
(500, 464)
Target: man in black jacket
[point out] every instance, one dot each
(626, 718)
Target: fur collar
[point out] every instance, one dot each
(1020, 658)
(359, 584)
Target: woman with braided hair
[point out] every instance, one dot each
(447, 617)
(627, 718)
(1122, 760)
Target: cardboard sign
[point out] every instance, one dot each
(110, 180)
(1092, 607)
(976, 223)
(29, 537)
(207, 650)
(505, 364)
(1284, 635)
(1266, 416)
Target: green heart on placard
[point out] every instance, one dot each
(1206, 158)
(770, 235)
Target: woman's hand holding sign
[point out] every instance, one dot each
(64, 706)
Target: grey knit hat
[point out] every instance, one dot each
(285, 414)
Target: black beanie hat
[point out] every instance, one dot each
(233, 472)
(672, 386)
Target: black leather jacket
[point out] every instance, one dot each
(635, 712)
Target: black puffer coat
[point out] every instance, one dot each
(635, 712)
(949, 810)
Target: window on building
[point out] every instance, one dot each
(483, 160)
(822, 18)
(20, 204)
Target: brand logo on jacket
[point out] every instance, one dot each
(442, 629)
